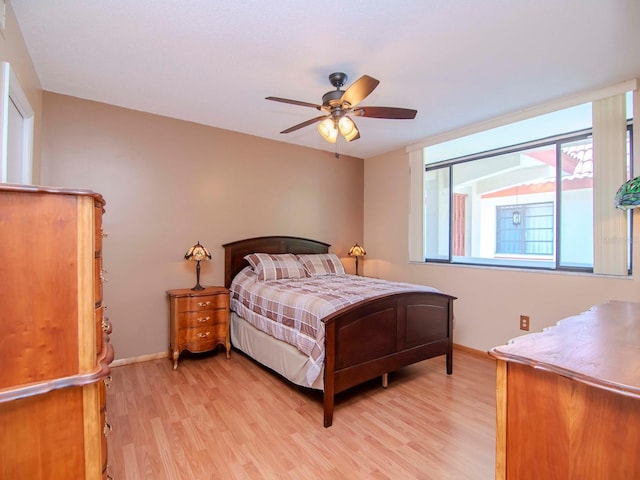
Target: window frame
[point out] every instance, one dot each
(557, 141)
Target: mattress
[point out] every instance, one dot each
(279, 356)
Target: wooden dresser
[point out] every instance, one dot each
(198, 320)
(54, 339)
(568, 398)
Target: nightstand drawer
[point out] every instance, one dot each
(207, 333)
(208, 302)
(205, 317)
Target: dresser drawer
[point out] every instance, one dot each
(97, 280)
(99, 332)
(208, 302)
(103, 441)
(102, 393)
(97, 218)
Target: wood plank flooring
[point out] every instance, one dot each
(232, 419)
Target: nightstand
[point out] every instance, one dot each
(198, 320)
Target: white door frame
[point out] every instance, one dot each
(11, 91)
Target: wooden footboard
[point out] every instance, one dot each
(381, 335)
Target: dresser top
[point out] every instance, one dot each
(11, 187)
(600, 347)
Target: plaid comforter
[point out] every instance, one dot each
(292, 310)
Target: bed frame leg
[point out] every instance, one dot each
(385, 380)
(328, 409)
(450, 362)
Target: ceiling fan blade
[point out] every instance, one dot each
(304, 124)
(295, 102)
(359, 90)
(385, 112)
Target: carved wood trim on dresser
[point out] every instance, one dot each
(54, 337)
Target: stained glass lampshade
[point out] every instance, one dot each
(357, 251)
(197, 253)
(628, 195)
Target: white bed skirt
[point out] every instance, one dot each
(279, 356)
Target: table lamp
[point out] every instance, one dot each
(197, 253)
(357, 251)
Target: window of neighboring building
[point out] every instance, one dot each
(525, 229)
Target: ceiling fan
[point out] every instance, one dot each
(340, 104)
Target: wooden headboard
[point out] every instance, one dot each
(235, 252)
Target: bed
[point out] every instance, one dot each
(361, 341)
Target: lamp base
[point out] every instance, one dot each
(198, 287)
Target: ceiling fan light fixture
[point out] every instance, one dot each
(347, 128)
(338, 104)
(328, 130)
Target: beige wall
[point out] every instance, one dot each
(170, 183)
(490, 301)
(14, 51)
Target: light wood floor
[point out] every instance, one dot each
(231, 419)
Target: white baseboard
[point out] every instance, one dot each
(155, 356)
(142, 358)
(472, 351)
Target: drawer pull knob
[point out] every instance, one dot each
(204, 304)
(204, 335)
(204, 319)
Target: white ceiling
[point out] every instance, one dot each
(213, 62)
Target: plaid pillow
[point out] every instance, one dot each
(275, 267)
(322, 264)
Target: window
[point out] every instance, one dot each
(524, 194)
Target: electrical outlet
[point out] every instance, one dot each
(524, 322)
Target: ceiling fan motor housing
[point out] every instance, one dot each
(332, 98)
